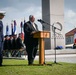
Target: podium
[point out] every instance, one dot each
(41, 35)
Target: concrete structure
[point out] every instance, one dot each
(53, 11)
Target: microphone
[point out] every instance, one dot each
(41, 21)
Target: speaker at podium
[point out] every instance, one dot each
(41, 35)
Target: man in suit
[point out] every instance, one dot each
(2, 13)
(31, 43)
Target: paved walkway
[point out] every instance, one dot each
(70, 58)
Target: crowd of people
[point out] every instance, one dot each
(12, 45)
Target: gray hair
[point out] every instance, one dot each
(30, 17)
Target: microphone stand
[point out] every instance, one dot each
(55, 44)
(54, 36)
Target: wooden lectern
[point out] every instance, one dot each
(41, 35)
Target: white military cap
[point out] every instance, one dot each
(2, 12)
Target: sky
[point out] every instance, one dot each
(21, 9)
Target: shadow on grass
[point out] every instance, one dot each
(45, 64)
(15, 65)
(56, 63)
(27, 65)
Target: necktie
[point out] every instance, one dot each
(34, 25)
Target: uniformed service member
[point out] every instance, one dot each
(2, 14)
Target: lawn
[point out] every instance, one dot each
(20, 67)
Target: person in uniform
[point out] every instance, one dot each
(2, 14)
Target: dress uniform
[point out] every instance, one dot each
(2, 13)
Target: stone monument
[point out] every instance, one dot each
(53, 12)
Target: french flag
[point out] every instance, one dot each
(14, 27)
(7, 30)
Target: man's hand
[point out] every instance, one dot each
(33, 32)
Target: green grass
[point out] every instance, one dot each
(20, 67)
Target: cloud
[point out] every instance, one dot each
(18, 9)
(12, 13)
(70, 4)
(70, 20)
(71, 14)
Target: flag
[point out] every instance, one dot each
(7, 30)
(75, 37)
(12, 33)
(14, 27)
(21, 25)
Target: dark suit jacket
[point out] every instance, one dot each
(10, 44)
(19, 43)
(28, 37)
(14, 43)
(6, 44)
